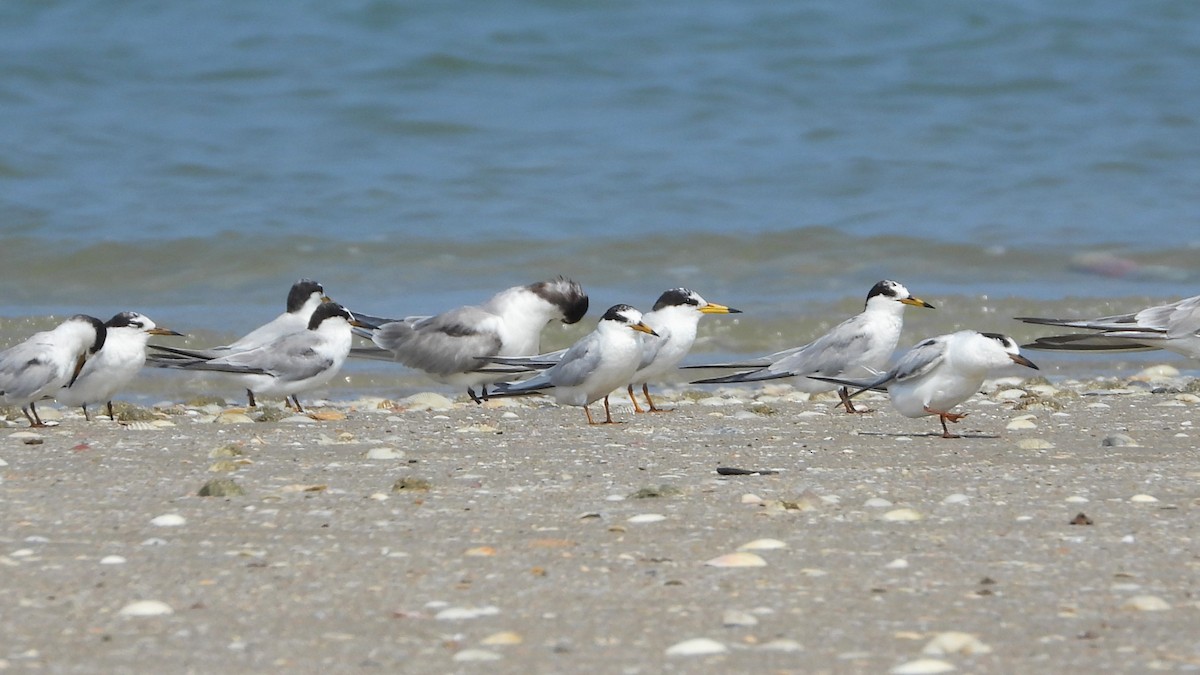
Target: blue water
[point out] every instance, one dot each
(193, 159)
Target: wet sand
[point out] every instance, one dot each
(514, 538)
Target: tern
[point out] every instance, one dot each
(450, 346)
(598, 363)
(859, 346)
(115, 364)
(941, 372)
(48, 361)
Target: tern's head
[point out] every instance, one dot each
(332, 311)
(686, 298)
(137, 322)
(1010, 349)
(89, 326)
(886, 292)
(303, 292)
(566, 296)
(624, 315)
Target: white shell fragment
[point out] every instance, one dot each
(146, 608)
(955, 642)
(923, 667)
(697, 647)
(901, 515)
(1146, 603)
(647, 518)
(739, 559)
(762, 545)
(169, 520)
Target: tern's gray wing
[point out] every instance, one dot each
(578, 363)
(1158, 319)
(1088, 342)
(24, 369)
(829, 356)
(445, 344)
(290, 358)
(539, 362)
(918, 361)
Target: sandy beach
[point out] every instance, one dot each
(426, 536)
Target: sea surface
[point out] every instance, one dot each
(192, 160)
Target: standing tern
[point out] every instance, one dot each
(115, 365)
(858, 347)
(292, 363)
(941, 372)
(449, 347)
(48, 361)
(303, 299)
(675, 318)
(1174, 327)
(594, 366)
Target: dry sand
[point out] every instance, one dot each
(518, 541)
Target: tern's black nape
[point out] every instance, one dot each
(565, 294)
(301, 291)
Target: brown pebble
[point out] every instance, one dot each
(1081, 519)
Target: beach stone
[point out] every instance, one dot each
(112, 560)
(1143, 499)
(734, 618)
(169, 520)
(1022, 423)
(897, 564)
(411, 484)
(901, 516)
(643, 518)
(221, 487)
(503, 638)
(146, 608)
(474, 655)
(955, 642)
(1146, 603)
(782, 645)
(234, 417)
(1118, 441)
(227, 450)
(762, 545)
(697, 647)
(923, 667)
(1156, 373)
(466, 613)
(877, 503)
(1035, 444)
(426, 401)
(384, 453)
(956, 498)
(739, 559)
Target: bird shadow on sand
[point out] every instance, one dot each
(884, 434)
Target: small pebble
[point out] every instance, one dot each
(169, 520)
(897, 564)
(923, 667)
(877, 503)
(384, 453)
(1034, 444)
(955, 642)
(1118, 441)
(782, 645)
(504, 638)
(146, 608)
(739, 559)
(733, 618)
(647, 518)
(697, 647)
(1021, 423)
(762, 545)
(1143, 499)
(956, 499)
(112, 560)
(463, 613)
(1146, 603)
(1076, 499)
(901, 516)
(470, 655)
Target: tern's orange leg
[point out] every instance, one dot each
(943, 417)
(636, 408)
